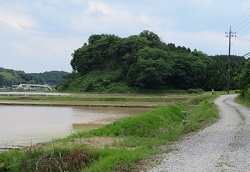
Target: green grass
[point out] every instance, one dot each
(142, 137)
(243, 101)
(50, 159)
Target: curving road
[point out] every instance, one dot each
(222, 147)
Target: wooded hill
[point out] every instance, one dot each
(108, 63)
(9, 77)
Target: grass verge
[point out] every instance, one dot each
(139, 138)
(243, 101)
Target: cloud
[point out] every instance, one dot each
(117, 18)
(97, 7)
(18, 21)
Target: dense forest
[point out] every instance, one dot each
(9, 77)
(108, 63)
(242, 80)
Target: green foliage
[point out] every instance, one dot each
(115, 160)
(205, 114)
(95, 81)
(191, 91)
(218, 71)
(190, 69)
(53, 77)
(146, 125)
(243, 100)
(151, 70)
(243, 77)
(9, 77)
(243, 81)
(56, 159)
(246, 93)
(147, 132)
(145, 62)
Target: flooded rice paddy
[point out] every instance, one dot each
(27, 125)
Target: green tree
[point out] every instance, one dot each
(7, 79)
(154, 39)
(243, 77)
(152, 69)
(149, 73)
(145, 62)
(190, 69)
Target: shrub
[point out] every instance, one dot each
(195, 91)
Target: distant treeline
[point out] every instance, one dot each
(108, 63)
(9, 77)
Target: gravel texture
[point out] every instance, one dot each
(224, 146)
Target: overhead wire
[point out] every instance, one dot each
(242, 22)
(240, 17)
(241, 27)
(243, 39)
(244, 31)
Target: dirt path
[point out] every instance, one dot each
(224, 146)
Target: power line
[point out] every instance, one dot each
(247, 55)
(243, 26)
(244, 32)
(235, 24)
(243, 38)
(239, 25)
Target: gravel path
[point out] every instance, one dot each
(224, 146)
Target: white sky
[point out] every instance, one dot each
(41, 35)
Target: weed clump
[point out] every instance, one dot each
(52, 160)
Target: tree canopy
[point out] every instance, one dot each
(144, 62)
(242, 79)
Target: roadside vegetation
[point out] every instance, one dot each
(242, 100)
(243, 83)
(132, 141)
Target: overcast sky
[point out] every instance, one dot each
(41, 35)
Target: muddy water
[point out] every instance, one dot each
(27, 125)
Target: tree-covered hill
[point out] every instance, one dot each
(108, 63)
(9, 77)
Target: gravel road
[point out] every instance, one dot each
(222, 147)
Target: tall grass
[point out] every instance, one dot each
(50, 159)
(145, 125)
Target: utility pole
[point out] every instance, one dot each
(230, 34)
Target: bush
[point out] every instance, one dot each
(195, 91)
(119, 88)
(246, 93)
(47, 160)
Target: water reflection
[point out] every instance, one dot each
(25, 125)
